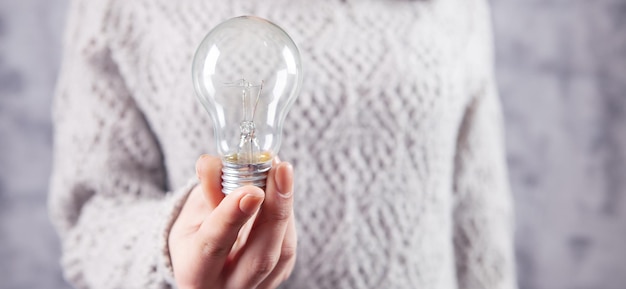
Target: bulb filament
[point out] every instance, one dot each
(248, 151)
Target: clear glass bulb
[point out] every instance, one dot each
(247, 74)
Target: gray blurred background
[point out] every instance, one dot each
(562, 75)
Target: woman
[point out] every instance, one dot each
(396, 139)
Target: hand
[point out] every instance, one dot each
(244, 240)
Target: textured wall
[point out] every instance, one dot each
(29, 56)
(29, 49)
(562, 75)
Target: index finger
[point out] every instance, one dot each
(209, 171)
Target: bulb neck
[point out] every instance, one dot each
(238, 175)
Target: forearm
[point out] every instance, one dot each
(122, 242)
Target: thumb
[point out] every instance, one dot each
(220, 229)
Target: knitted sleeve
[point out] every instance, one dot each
(483, 214)
(483, 231)
(107, 196)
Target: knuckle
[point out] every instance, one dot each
(211, 245)
(213, 249)
(263, 266)
(281, 213)
(287, 253)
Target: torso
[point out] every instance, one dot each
(372, 135)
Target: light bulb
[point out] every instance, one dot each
(247, 74)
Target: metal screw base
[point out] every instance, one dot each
(238, 175)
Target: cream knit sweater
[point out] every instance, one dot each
(396, 140)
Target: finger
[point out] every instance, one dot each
(263, 248)
(218, 232)
(287, 259)
(244, 233)
(209, 172)
(194, 211)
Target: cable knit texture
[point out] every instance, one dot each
(396, 141)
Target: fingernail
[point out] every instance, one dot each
(282, 184)
(285, 195)
(249, 204)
